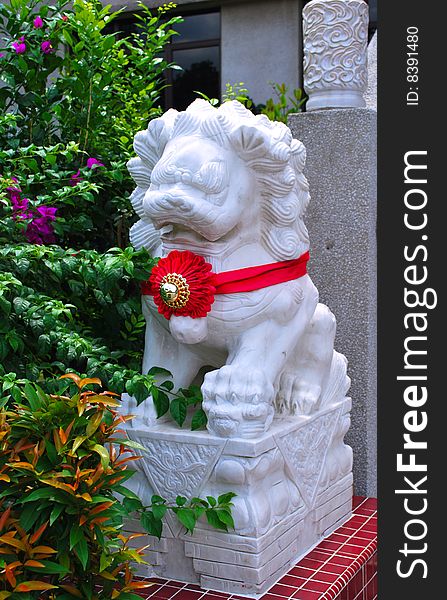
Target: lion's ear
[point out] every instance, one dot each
(249, 142)
(150, 143)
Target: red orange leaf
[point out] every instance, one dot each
(44, 550)
(100, 507)
(36, 535)
(4, 517)
(29, 586)
(71, 376)
(12, 542)
(88, 381)
(33, 563)
(139, 585)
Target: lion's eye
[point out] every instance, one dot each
(212, 177)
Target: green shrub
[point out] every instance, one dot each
(69, 93)
(63, 466)
(280, 107)
(65, 139)
(277, 109)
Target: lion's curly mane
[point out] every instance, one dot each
(267, 147)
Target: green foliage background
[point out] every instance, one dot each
(74, 306)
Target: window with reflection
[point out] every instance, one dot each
(196, 49)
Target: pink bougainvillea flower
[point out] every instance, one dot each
(47, 213)
(76, 178)
(38, 22)
(64, 18)
(40, 230)
(39, 235)
(19, 46)
(14, 192)
(91, 162)
(46, 47)
(1, 55)
(19, 204)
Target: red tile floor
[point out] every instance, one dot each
(342, 567)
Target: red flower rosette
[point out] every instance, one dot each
(181, 284)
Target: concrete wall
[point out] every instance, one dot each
(341, 219)
(261, 42)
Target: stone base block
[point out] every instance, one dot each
(293, 486)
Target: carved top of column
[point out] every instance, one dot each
(335, 51)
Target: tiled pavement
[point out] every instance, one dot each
(342, 567)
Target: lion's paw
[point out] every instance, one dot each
(238, 401)
(306, 398)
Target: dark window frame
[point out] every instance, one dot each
(167, 95)
(173, 45)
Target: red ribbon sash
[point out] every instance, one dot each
(256, 278)
(252, 278)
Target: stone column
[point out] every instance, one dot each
(340, 139)
(335, 41)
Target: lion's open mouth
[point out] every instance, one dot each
(176, 234)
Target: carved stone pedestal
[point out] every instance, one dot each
(293, 486)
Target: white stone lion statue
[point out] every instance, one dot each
(228, 186)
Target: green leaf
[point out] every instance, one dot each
(103, 453)
(32, 397)
(50, 568)
(5, 305)
(214, 520)
(28, 517)
(132, 504)
(40, 494)
(212, 501)
(199, 419)
(161, 402)
(57, 510)
(131, 444)
(167, 385)
(125, 492)
(225, 517)
(178, 410)
(104, 561)
(159, 371)
(180, 500)
(225, 498)
(151, 524)
(20, 305)
(159, 511)
(187, 517)
(81, 550)
(76, 534)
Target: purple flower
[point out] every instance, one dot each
(40, 230)
(14, 192)
(19, 46)
(39, 235)
(47, 213)
(38, 22)
(1, 55)
(46, 47)
(19, 204)
(91, 162)
(76, 178)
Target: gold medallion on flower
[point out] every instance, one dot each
(174, 290)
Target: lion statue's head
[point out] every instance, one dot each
(206, 172)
